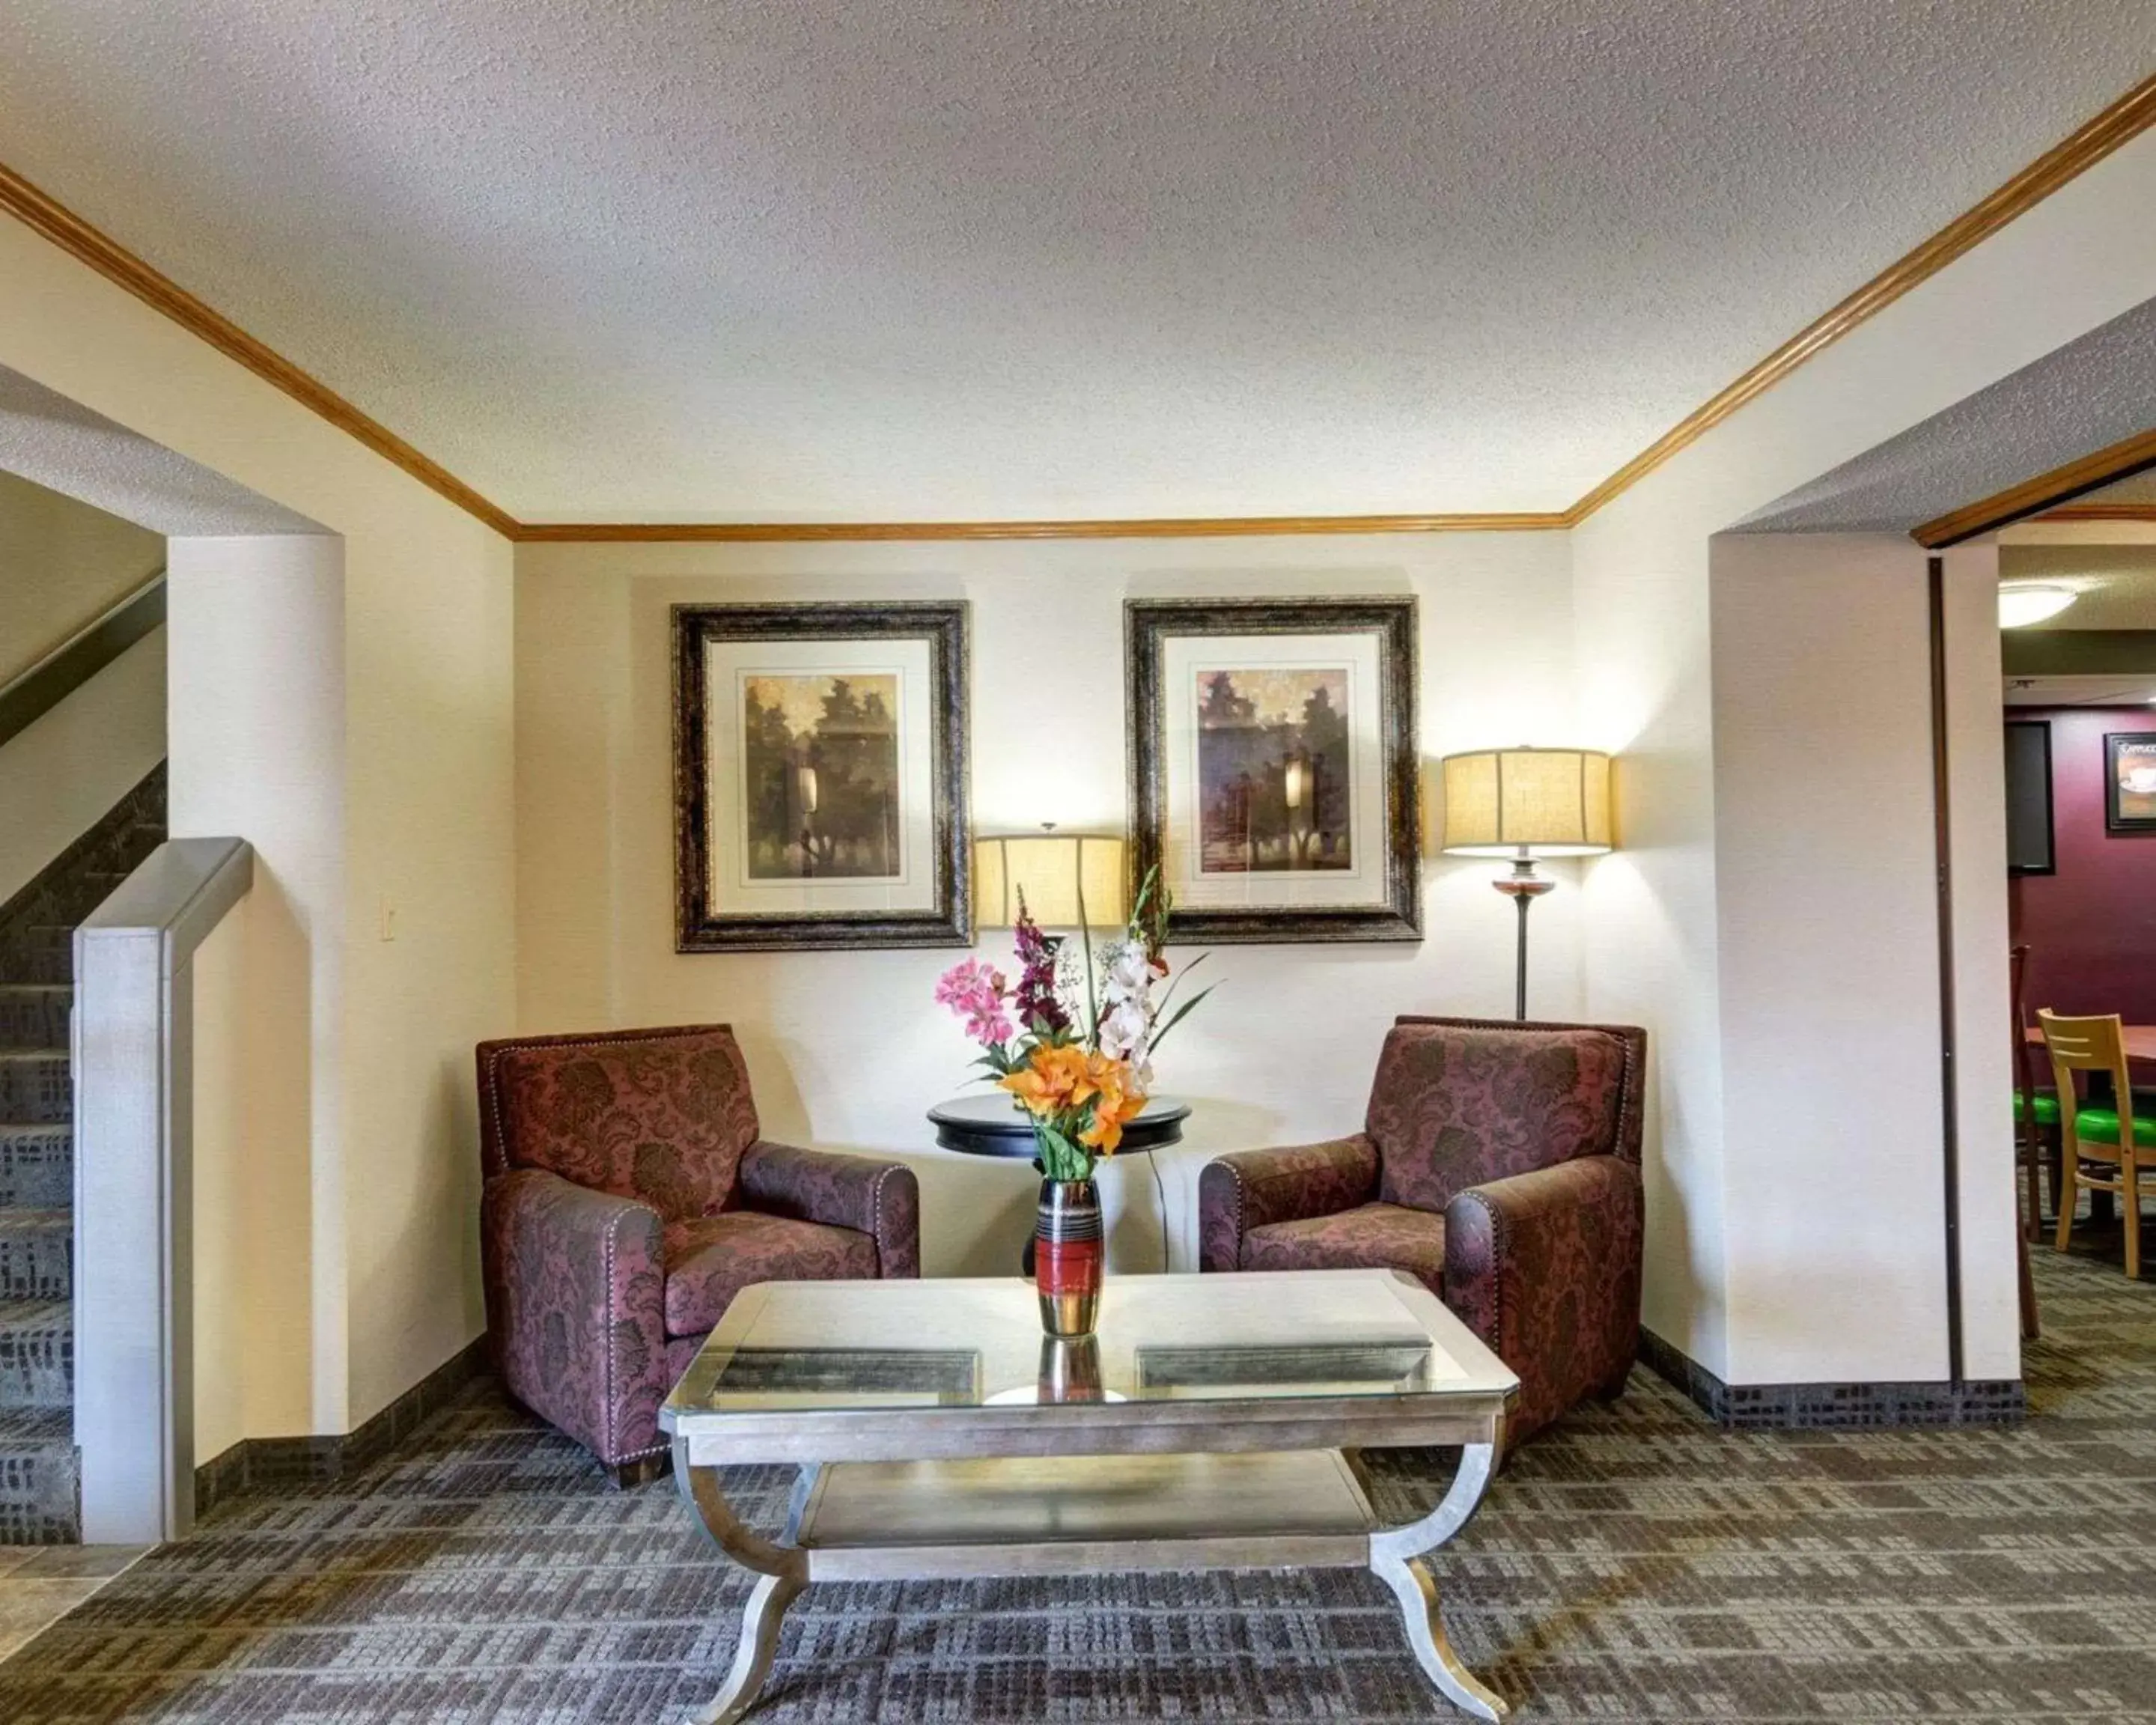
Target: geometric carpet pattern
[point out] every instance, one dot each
(1633, 1563)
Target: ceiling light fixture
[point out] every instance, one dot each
(2020, 606)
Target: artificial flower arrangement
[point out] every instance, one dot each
(1074, 1044)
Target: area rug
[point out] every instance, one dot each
(1634, 1563)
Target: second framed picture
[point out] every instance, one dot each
(2129, 775)
(1274, 765)
(819, 777)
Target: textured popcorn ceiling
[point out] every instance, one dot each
(2084, 396)
(939, 259)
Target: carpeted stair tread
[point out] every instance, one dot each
(34, 1085)
(36, 1253)
(37, 1163)
(35, 1014)
(37, 1353)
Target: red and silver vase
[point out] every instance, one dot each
(1068, 1255)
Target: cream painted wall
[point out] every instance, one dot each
(1826, 925)
(258, 750)
(1646, 668)
(385, 1145)
(1976, 777)
(60, 773)
(61, 564)
(847, 1050)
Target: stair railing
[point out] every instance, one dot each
(29, 695)
(134, 1215)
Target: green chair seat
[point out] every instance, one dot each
(2100, 1125)
(2047, 1110)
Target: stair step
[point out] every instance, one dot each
(35, 1085)
(52, 968)
(36, 1254)
(40, 1477)
(35, 1014)
(37, 1353)
(37, 1164)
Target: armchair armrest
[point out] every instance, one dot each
(1252, 1188)
(575, 1301)
(881, 1199)
(1545, 1268)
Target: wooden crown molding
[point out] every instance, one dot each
(2099, 512)
(2118, 125)
(2046, 491)
(1162, 527)
(74, 235)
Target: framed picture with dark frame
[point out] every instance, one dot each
(2029, 849)
(2129, 781)
(819, 777)
(1274, 760)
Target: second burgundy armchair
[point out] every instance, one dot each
(629, 1196)
(1499, 1164)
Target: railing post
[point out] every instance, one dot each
(134, 1114)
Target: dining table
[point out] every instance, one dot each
(2140, 1040)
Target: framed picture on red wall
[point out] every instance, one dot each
(2129, 781)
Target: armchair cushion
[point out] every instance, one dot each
(1545, 1268)
(574, 1284)
(664, 1116)
(1371, 1236)
(880, 1199)
(711, 1259)
(1456, 1105)
(1254, 1189)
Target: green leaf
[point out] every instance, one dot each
(1180, 1013)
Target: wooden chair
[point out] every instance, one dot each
(2036, 1112)
(2098, 1138)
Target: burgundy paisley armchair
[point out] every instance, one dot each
(629, 1196)
(1499, 1164)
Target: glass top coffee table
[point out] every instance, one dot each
(1212, 1422)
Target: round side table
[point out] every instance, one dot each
(991, 1124)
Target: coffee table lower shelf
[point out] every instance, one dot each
(1083, 1515)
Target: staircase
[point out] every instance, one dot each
(39, 1480)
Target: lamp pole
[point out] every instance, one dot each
(1523, 887)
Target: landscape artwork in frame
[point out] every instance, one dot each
(1274, 765)
(819, 769)
(2129, 761)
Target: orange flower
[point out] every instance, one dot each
(1116, 1104)
(1055, 1082)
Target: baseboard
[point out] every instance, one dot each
(255, 1462)
(1835, 1407)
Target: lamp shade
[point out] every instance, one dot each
(1527, 801)
(1057, 873)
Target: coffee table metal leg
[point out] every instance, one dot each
(1396, 1559)
(781, 1568)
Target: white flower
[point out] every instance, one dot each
(1129, 976)
(1123, 1030)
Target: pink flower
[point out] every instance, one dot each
(976, 992)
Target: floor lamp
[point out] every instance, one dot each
(1525, 803)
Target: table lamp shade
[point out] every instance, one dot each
(1527, 801)
(1052, 870)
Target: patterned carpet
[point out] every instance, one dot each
(1635, 1563)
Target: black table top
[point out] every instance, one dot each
(989, 1123)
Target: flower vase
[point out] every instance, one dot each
(1069, 1255)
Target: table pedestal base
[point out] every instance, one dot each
(1082, 1515)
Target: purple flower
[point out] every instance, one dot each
(1036, 998)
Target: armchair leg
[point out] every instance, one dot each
(629, 1475)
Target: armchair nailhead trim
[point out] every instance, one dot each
(1497, 1254)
